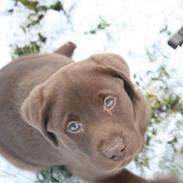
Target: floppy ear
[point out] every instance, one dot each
(117, 67)
(35, 111)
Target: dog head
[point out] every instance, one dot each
(91, 112)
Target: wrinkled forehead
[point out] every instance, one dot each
(83, 82)
(87, 77)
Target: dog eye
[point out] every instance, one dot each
(73, 127)
(109, 102)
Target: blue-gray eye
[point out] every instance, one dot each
(109, 102)
(73, 127)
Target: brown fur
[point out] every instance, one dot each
(67, 49)
(40, 94)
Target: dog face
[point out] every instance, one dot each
(91, 112)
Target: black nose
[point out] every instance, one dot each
(114, 150)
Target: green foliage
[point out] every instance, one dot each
(102, 25)
(168, 102)
(38, 11)
(57, 174)
(42, 39)
(34, 5)
(165, 104)
(32, 48)
(34, 20)
(57, 6)
(36, 14)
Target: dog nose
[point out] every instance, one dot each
(114, 150)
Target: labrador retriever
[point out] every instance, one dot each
(86, 115)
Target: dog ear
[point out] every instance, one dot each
(117, 67)
(67, 49)
(35, 111)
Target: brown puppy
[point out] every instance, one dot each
(85, 115)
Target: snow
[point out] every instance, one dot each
(134, 30)
(11, 174)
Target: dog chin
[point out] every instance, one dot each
(118, 167)
(122, 164)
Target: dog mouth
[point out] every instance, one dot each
(123, 163)
(120, 165)
(125, 160)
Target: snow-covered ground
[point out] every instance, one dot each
(134, 30)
